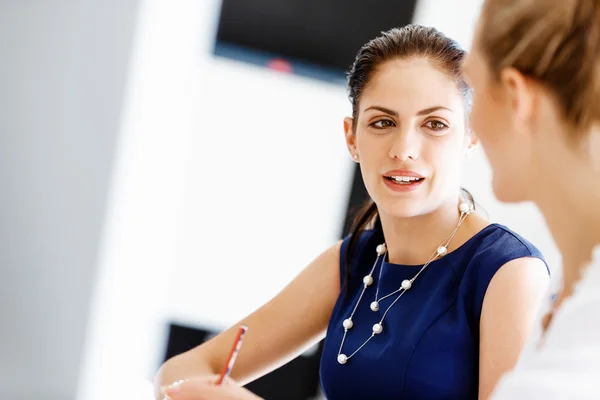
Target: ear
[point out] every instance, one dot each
(520, 94)
(350, 138)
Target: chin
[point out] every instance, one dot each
(402, 208)
(508, 191)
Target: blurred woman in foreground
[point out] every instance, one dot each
(535, 72)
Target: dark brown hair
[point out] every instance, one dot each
(411, 41)
(555, 42)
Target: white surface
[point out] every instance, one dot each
(126, 337)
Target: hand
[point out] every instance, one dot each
(205, 388)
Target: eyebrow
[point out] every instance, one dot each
(383, 109)
(433, 109)
(420, 113)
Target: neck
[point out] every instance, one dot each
(573, 217)
(569, 198)
(413, 240)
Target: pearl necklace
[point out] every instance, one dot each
(465, 209)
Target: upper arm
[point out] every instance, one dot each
(296, 318)
(510, 307)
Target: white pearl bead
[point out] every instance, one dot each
(348, 323)
(381, 249)
(368, 280)
(342, 358)
(377, 328)
(406, 284)
(375, 306)
(464, 207)
(442, 250)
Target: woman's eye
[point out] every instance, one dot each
(435, 125)
(382, 124)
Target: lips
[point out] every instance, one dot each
(403, 180)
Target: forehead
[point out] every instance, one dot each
(411, 85)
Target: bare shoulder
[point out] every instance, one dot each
(510, 307)
(522, 272)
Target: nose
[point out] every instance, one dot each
(405, 145)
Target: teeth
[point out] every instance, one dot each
(404, 178)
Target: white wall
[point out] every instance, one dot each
(455, 18)
(268, 186)
(62, 77)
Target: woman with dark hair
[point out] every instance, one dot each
(425, 299)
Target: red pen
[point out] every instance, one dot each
(233, 354)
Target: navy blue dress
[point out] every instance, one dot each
(429, 346)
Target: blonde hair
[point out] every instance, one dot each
(557, 43)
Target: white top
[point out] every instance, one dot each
(566, 364)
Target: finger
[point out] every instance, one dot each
(194, 389)
(191, 384)
(212, 378)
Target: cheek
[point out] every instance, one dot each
(488, 123)
(368, 149)
(478, 118)
(492, 122)
(445, 159)
(372, 156)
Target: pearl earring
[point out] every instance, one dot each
(355, 156)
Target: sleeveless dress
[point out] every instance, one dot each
(429, 346)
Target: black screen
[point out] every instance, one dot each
(326, 33)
